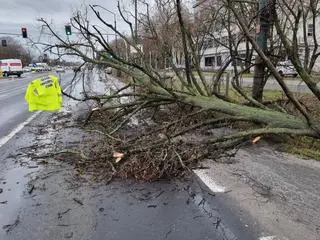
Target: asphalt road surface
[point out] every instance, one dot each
(13, 108)
(44, 202)
(258, 197)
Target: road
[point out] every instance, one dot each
(41, 202)
(13, 108)
(46, 199)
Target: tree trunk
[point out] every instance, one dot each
(258, 79)
(271, 118)
(265, 13)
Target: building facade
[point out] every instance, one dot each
(215, 51)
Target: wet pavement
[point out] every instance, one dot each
(13, 108)
(281, 191)
(47, 199)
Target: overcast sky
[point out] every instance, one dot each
(15, 14)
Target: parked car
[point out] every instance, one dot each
(60, 69)
(44, 66)
(286, 68)
(26, 69)
(11, 67)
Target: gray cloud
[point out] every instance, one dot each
(25, 12)
(15, 14)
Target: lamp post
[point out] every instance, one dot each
(114, 18)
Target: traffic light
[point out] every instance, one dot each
(24, 32)
(68, 30)
(4, 43)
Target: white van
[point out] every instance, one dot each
(11, 67)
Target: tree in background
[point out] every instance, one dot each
(14, 49)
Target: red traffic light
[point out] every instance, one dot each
(24, 32)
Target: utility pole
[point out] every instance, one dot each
(136, 19)
(266, 13)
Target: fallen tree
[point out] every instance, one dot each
(184, 102)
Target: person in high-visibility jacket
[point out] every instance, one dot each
(44, 94)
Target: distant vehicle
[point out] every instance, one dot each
(39, 67)
(26, 69)
(11, 67)
(286, 68)
(60, 69)
(44, 66)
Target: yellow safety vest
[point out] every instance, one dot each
(44, 94)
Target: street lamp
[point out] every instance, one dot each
(114, 18)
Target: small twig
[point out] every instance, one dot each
(106, 134)
(62, 213)
(31, 189)
(10, 227)
(69, 151)
(167, 234)
(138, 108)
(152, 206)
(217, 223)
(158, 195)
(77, 201)
(180, 159)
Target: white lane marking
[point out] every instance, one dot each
(206, 179)
(268, 238)
(12, 89)
(5, 139)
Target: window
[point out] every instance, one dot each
(209, 61)
(310, 30)
(219, 61)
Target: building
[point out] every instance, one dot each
(215, 51)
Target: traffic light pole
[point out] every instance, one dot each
(136, 20)
(12, 34)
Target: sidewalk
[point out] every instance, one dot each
(295, 85)
(280, 191)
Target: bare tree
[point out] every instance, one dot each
(14, 50)
(187, 95)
